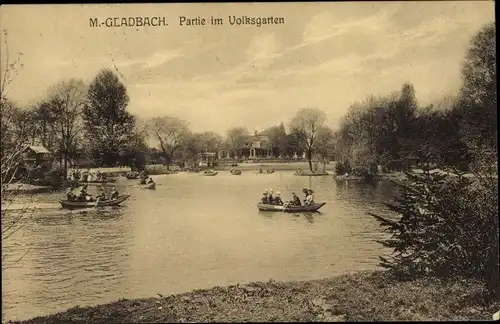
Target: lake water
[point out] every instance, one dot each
(192, 232)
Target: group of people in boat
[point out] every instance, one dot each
(144, 178)
(81, 194)
(270, 199)
(87, 175)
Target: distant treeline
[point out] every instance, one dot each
(79, 122)
(393, 131)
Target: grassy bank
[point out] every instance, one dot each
(368, 296)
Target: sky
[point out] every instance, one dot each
(325, 55)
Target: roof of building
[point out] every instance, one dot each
(38, 149)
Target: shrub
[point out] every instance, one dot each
(342, 167)
(448, 227)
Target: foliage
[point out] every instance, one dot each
(134, 154)
(63, 112)
(342, 167)
(379, 130)
(448, 227)
(45, 118)
(277, 139)
(13, 140)
(236, 138)
(171, 133)
(477, 107)
(108, 123)
(325, 143)
(305, 127)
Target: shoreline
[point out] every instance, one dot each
(363, 296)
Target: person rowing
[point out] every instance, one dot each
(114, 194)
(102, 194)
(295, 200)
(70, 195)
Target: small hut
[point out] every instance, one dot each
(36, 155)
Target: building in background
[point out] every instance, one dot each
(36, 155)
(206, 159)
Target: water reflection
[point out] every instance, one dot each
(192, 232)
(74, 257)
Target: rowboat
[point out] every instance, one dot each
(289, 208)
(131, 176)
(151, 185)
(86, 204)
(210, 173)
(261, 171)
(235, 172)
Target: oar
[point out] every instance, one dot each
(97, 202)
(285, 206)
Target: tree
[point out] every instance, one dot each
(477, 106)
(200, 142)
(276, 139)
(136, 149)
(171, 133)
(325, 143)
(67, 100)
(45, 119)
(236, 137)
(10, 154)
(108, 124)
(209, 141)
(448, 228)
(305, 127)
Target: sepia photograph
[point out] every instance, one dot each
(249, 162)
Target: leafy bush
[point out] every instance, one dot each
(342, 167)
(448, 227)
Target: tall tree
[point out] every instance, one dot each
(201, 142)
(276, 138)
(67, 100)
(305, 127)
(45, 118)
(136, 148)
(325, 141)
(209, 141)
(108, 123)
(171, 133)
(236, 137)
(11, 149)
(478, 96)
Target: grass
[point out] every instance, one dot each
(366, 296)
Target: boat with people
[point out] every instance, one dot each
(150, 185)
(273, 202)
(132, 175)
(235, 172)
(210, 173)
(290, 208)
(80, 197)
(263, 171)
(94, 203)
